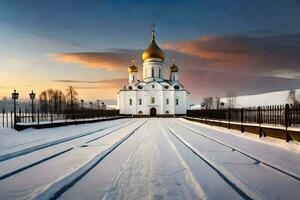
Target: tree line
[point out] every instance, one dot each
(56, 101)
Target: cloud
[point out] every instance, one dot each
(208, 83)
(117, 59)
(100, 84)
(257, 54)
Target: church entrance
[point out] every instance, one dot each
(152, 112)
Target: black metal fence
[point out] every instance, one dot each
(25, 116)
(280, 115)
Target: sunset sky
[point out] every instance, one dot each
(232, 47)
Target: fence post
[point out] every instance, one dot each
(229, 117)
(287, 122)
(76, 118)
(259, 121)
(38, 117)
(242, 120)
(7, 119)
(12, 121)
(3, 116)
(51, 118)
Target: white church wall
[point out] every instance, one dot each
(182, 103)
(158, 70)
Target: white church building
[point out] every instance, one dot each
(153, 95)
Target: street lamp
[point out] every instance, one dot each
(81, 103)
(15, 96)
(32, 97)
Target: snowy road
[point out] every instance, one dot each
(145, 159)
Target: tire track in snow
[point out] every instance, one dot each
(56, 189)
(234, 183)
(257, 160)
(121, 173)
(49, 144)
(56, 155)
(189, 175)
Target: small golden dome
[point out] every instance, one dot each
(174, 68)
(153, 51)
(132, 68)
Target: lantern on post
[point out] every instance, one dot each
(15, 96)
(81, 103)
(32, 97)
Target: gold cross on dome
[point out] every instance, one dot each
(132, 60)
(174, 59)
(153, 30)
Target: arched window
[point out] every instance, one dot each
(130, 102)
(159, 73)
(176, 87)
(140, 112)
(133, 78)
(140, 101)
(167, 101)
(152, 72)
(153, 86)
(167, 112)
(177, 101)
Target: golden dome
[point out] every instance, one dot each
(174, 68)
(132, 68)
(153, 51)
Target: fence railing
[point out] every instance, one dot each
(8, 119)
(279, 115)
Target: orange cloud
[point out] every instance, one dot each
(100, 84)
(111, 61)
(271, 55)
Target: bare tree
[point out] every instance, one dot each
(50, 93)
(231, 102)
(218, 101)
(43, 99)
(61, 100)
(292, 97)
(231, 99)
(71, 97)
(208, 101)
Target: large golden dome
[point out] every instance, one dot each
(153, 51)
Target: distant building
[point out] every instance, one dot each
(153, 95)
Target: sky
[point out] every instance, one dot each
(222, 48)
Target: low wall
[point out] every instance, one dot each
(21, 126)
(260, 130)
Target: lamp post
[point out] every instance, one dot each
(15, 96)
(81, 103)
(32, 97)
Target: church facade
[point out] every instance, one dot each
(153, 95)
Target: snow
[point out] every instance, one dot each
(154, 158)
(12, 140)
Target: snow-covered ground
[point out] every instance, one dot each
(151, 158)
